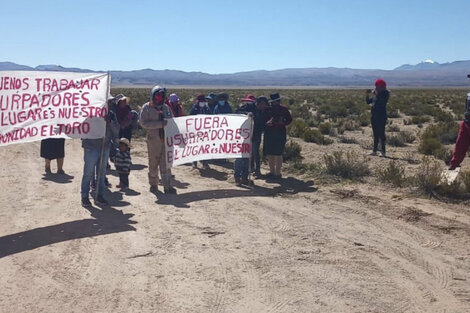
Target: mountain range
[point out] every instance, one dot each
(425, 74)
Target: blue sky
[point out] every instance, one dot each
(232, 36)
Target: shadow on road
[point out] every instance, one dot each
(58, 178)
(106, 221)
(288, 185)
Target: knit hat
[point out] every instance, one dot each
(174, 98)
(380, 83)
(200, 98)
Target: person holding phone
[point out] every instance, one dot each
(377, 100)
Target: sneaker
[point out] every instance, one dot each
(101, 201)
(60, 172)
(247, 182)
(238, 181)
(169, 190)
(382, 154)
(48, 170)
(206, 166)
(86, 202)
(154, 188)
(373, 153)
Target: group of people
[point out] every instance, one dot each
(269, 116)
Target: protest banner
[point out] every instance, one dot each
(203, 137)
(35, 105)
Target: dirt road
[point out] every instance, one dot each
(215, 247)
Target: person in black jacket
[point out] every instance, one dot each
(201, 107)
(378, 112)
(241, 166)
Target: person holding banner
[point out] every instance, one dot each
(222, 107)
(275, 135)
(153, 118)
(258, 128)
(53, 149)
(94, 151)
(201, 107)
(211, 101)
(241, 165)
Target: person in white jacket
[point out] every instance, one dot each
(153, 117)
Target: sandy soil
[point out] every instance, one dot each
(214, 247)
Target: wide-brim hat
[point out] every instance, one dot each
(249, 98)
(121, 97)
(274, 97)
(222, 96)
(125, 141)
(262, 99)
(212, 96)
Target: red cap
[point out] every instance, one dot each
(380, 83)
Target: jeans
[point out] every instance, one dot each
(255, 155)
(92, 159)
(241, 168)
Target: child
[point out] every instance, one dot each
(123, 163)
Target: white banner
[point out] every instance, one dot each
(38, 105)
(204, 137)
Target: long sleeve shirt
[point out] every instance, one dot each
(378, 103)
(123, 161)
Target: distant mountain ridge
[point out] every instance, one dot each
(426, 74)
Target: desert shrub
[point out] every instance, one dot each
(393, 128)
(305, 168)
(396, 141)
(393, 113)
(465, 178)
(430, 146)
(442, 116)
(348, 124)
(401, 139)
(407, 136)
(393, 174)
(315, 136)
(445, 132)
(416, 120)
(325, 128)
(292, 151)
(346, 165)
(428, 176)
(364, 119)
(333, 132)
(347, 140)
(297, 128)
